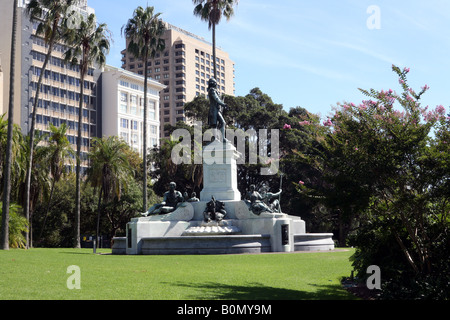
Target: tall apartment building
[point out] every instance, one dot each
(122, 105)
(60, 90)
(184, 68)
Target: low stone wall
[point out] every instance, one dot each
(228, 244)
(119, 245)
(313, 242)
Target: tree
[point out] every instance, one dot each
(48, 14)
(17, 154)
(59, 151)
(384, 171)
(40, 179)
(4, 241)
(89, 44)
(109, 171)
(17, 226)
(212, 11)
(143, 33)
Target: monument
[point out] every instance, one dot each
(220, 222)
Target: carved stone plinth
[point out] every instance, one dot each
(220, 172)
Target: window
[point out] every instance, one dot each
(124, 123)
(123, 97)
(123, 108)
(124, 136)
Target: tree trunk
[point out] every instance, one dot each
(83, 67)
(33, 125)
(48, 208)
(4, 241)
(144, 141)
(99, 214)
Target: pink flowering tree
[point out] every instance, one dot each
(385, 170)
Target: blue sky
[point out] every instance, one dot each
(315, 54)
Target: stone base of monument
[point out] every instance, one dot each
(241, 231)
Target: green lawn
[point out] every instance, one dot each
(42, 274)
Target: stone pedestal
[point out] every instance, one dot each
(220, 172)
(185, 232)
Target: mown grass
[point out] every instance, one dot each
(42, 274)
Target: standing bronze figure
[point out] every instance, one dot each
(215, 116)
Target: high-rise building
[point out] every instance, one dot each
(122, 105)
(60, 90)
(184, 68)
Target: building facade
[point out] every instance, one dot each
(184, 68)
(122, 104)
(60, 90)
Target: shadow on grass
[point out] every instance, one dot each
(257, 291)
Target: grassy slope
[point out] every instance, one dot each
(42, 274)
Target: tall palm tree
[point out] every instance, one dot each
(212, 11)
(88, 45)
(144, 31)
(110, 169)
(4, 241)
(48, 14)
(59, 151)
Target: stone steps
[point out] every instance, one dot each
(222, 244)
(212, 244)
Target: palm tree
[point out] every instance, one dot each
(49, 14)
(89, 44)
(59, 151)
(212, 11)
(39, 182)
(17, 156)
(144, 31)
(4, 241)
(110, 169)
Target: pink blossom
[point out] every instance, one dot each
(406, 70)
(401, 81)
(356, 149)
(440, 109)
(327, 123)
(425, 87)
(287, 126)
(301, 182)
(304, 123)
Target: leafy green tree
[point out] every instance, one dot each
(89, 44)
(59, 154)
(144, 33)
(18, 157)
(17, 226)
(110, 170)
(212, 12)
(378, 165)
(254, 111)
(39, 181)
